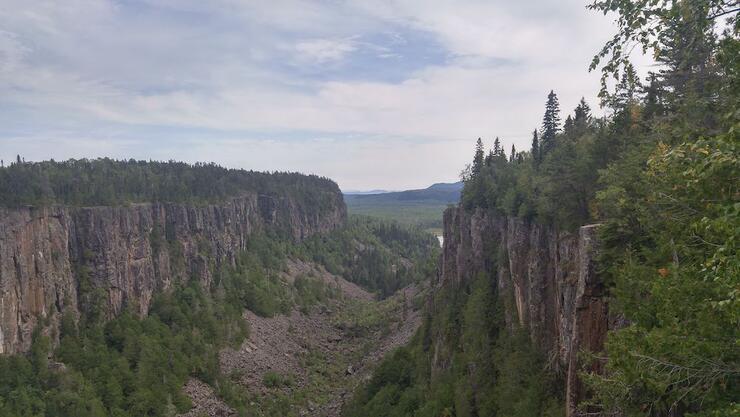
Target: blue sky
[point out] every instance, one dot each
(374, 94)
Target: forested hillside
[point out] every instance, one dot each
(380, 255)
(660, 174)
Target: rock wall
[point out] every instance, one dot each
(546, 278)
(129, 252)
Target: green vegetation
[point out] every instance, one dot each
(554, 183)
(379, 255)
(109, 182)
(132, 366)
(487, 372)
(424, 214)
(661, 174)
(137, 366)
(422, 208)
(276, 380)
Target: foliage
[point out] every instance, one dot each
(379, 255)
(422, 208)
(275, 380)
(105, 181)
(670, 210)
(677, 284)
(484, 371)
(652, 25)
(136, 366)
(556, 181)
(661, 175)
(423, 214)
(127, 366)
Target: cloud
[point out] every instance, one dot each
(385, 80)
(324, 50)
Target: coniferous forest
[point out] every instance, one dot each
(104, 181)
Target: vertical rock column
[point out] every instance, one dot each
(591, 320)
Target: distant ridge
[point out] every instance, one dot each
(421, 207)
(448, 193)
(358, 192)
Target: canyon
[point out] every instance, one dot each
(547, 278)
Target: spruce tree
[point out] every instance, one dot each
(583, 113)
(550, 123)
(654, 94)
(513, 153)
(497, 146)
(568, 126)
(478, 159)
(489, 158)
(535, 147)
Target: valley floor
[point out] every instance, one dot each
(308, 363)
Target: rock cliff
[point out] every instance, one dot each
(50, 256)
(546, 278)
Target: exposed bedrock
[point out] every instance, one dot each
(546, 278)
(129, 252)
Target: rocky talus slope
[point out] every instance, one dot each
(49, 256)
(547, 279)
(322, 352)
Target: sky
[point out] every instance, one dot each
(387, 94)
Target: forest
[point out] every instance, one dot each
(660, 173)
(108, 182)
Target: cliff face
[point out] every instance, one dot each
(546, 278)
(129, 252)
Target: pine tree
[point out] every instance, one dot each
(513, 153)
(479, 158)
(497, 146)
(535, 148)
(550, 123)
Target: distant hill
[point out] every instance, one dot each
(440, 192)
(356, 192)
(421, 207)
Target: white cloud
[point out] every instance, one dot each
(230, 65)
(324, 50)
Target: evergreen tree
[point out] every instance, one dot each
(582, 114)
(497, 146)
(478, 160)
(513, 153)
(654, 93)
(550, 123)
(489, 158)
(535, 147)
(568, 126)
